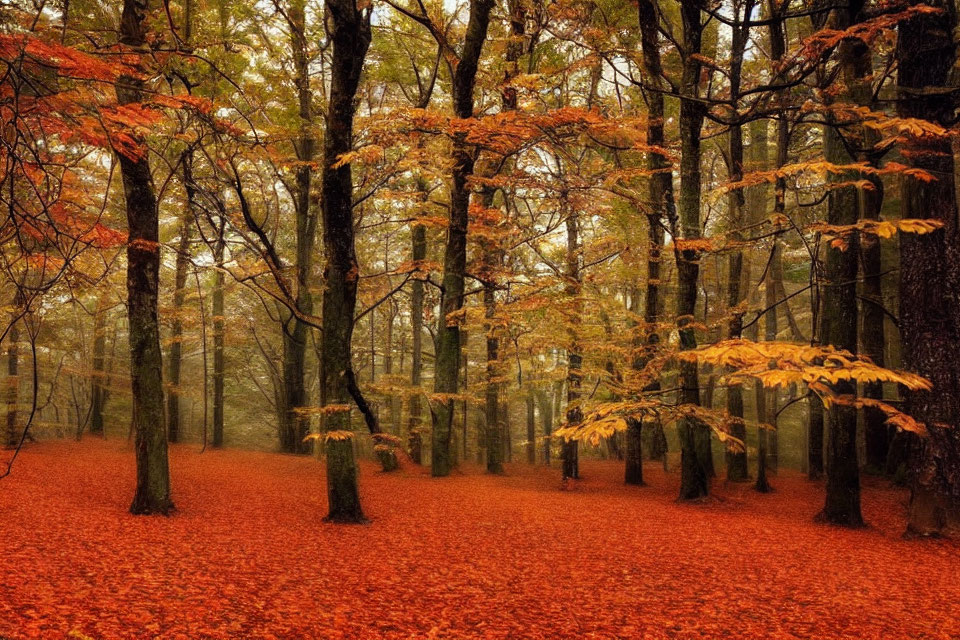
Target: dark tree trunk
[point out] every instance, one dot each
(815, 438)
(736, 203)
(633, 459)
(633, 456)
(179, 294)
(98, 387)
(531, 429)
(493, 425)
(507, 437)
(859, 78)
(12, 435)
(815, 426)
(570, 453)
(694, 435)
(930, 268)
(392, 401)
(174, 363)
(350, 34)
(143, 281)
(775, 288)
(545, 401)
(219, 363)
(839, 318)
(447, 363)
(414, 428)
(294, 426)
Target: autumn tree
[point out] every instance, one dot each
(930, 263)
(143, 273)
(350, 34)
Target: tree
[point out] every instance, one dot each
(350, 34)
(447, 363)
(143, 275)
(839, 316)
(462, 67)
(694, 436)
(294, 424)
(736, 204)
(930, 263)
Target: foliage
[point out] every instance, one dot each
(247, 556)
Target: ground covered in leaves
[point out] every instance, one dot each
(248, 556)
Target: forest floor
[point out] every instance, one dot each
(248, 556)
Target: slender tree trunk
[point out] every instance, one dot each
(633, 457)
(350, 34)
(415, 438)
(570, 453)
(388, 370)
(839, 318)
(294, 426)
(758, 204)
(176, 329)
(661, 197)
(859, 77)
(464, 405)
(447, 363)
(815, 427)
(219, 363)
(736, 459)
(775, 288)
(531, 429)
(12, 435)
(507, 437)
(98, 391)
(930, 267)
(492, 256)
(545, 404)
(143, 280)
(694, 435)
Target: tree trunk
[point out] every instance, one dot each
(447, 363)
(839, 318)
(694, 435)
(415, 438)
(493, 440)
(143, 279)
(507, 437)
(392, 400)
(815, 438)
(872, 335)
(350, 33)
(180, 274)
(736, 203)
(12, 434)
(294, 426)
(545, 400)
(930, 268)
(98, 390)
(219, 364)
(778, 49)
(179, 294)
(531, 429)
(569, 453)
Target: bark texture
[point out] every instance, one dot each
(930, 268)
(143, 281)
(350, 34)
(448, 347)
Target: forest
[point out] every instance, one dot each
(620, 319)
